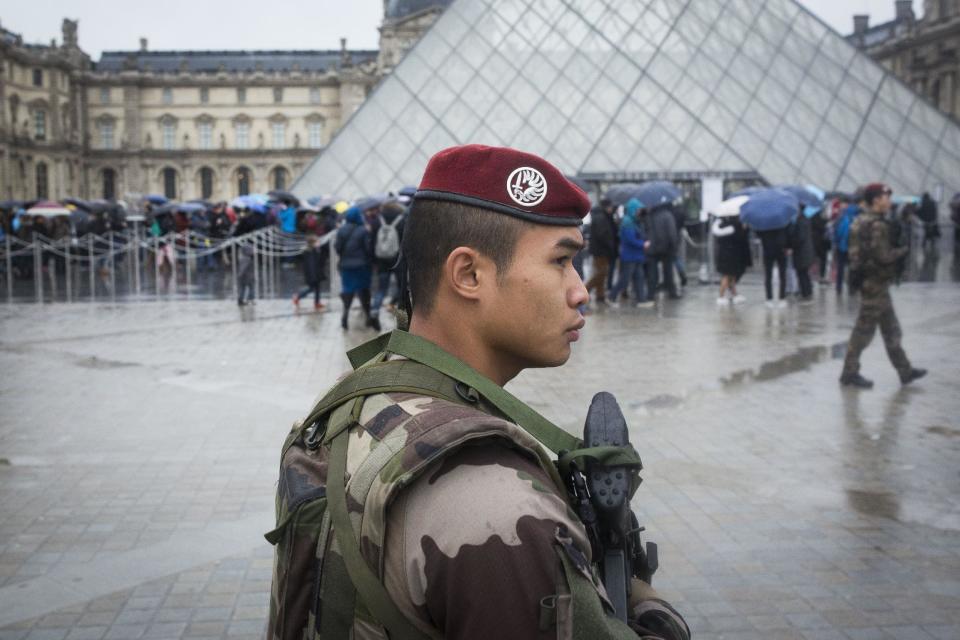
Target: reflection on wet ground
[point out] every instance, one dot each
(800, 360)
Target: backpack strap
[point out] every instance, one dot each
(425, 352)
(372, 592)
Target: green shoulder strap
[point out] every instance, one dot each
(420, 350)
(372, 592)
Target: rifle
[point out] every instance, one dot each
(601, 494)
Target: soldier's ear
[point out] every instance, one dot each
(466, 272)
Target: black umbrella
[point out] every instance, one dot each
(166, 209)
(206, 203)
(78, 203)
(284, 196)
(650, 194)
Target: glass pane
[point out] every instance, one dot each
(814, 94)
(761, 119)
(887, 121)
(842, 118)
(778, 169)
(413, 73)
(391, 96)
(748, 144)
(719, 119)
(833, 144)
(415, 121)
(432, 49)
(456, 73)
(618, 146)
(636, 122)
(547, 120)
(503, 119)
(480, 96)
(564, 95)
(676, 120)
(474, 49)
(451, 27)
(863, 168)
(395, 146)
(694, 97)
(717, 52)
(774, 95)
(437, 140)
(705, 145)
(791, 144)
(907, 169)
(770, 27)
(917, 143)
(570, 150)
(819, 170)
(657, 152)
(437, 96)
(802, 118)
(461, 120)
(876, 143)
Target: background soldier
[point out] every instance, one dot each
(873, 263)
(461, 526)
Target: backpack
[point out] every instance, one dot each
(388, 240)
(843, 232)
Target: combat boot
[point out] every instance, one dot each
(914, 374)
(856, 380)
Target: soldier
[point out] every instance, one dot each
(873, 263)
(454, 522)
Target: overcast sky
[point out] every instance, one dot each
(281, 24)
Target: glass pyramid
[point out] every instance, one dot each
(647, 86)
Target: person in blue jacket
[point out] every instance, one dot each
(841, 236)
(632, 257)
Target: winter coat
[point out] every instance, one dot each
(603, 234)
(631, 235)
(733, 247)
(288, 220)
(801, 241)
(841, 229)
(662, 233)
(313, 265)
(774, 241)
(353, 242)
(821, 237)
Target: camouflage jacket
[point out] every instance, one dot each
(872, 252)
(467, 521)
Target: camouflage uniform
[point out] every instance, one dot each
(871, 252)
(474, 545)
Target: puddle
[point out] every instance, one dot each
(944, 431)
(662, 401)
(93, 362)
(873, 503)
(800, 360)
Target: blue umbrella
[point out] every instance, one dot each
(191, 207)
(806, 197)
(369, 203)
(747, 191)
(156, 199)
(650, 194)
(769, 209)
(409, 190)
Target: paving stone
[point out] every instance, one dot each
(786, 507)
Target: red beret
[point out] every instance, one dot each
(874, 190)
(504, 180)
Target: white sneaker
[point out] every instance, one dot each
(781, 304)
(723, 302)
(646, 304)
(739, 299)
(613, 304)
(770, 304)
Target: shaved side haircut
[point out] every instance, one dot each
(434, 229)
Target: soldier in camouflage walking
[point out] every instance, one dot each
(873, 263)
(418, 499)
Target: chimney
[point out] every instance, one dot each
(861, 23)
(904, 10)
(143, 44)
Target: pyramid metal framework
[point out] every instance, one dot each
(665, 86)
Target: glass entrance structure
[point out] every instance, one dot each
(645, 88)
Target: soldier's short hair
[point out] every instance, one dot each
(435, 228)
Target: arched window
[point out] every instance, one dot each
(109, 184)
(42, 189)
(206, 182)
(278, 178)
(243, 181)
(170, 182)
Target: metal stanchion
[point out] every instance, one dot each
(136, 258)
(93, 268)
(68, 270)
(37, 269)
(233, 265)
(156, 266)
(113, 266)
(256, 268)
(9, 260)
(188, 253)
(176, 258)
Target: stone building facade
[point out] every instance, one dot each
(924, 52)
(185, 124)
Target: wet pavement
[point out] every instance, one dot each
(139, 446)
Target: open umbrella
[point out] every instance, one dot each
(370, 203)
(408, 190)
(166, 209)
(284, 196)
(804, 194)
(156, 199)
(48, 209)
(191, 207)
(769, 209)
(650, 194)
(730, 207)
(8, 205)
(77, 202)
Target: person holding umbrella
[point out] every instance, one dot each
(769, 212)
(873, 262)
(733, 256)
(603, 247)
